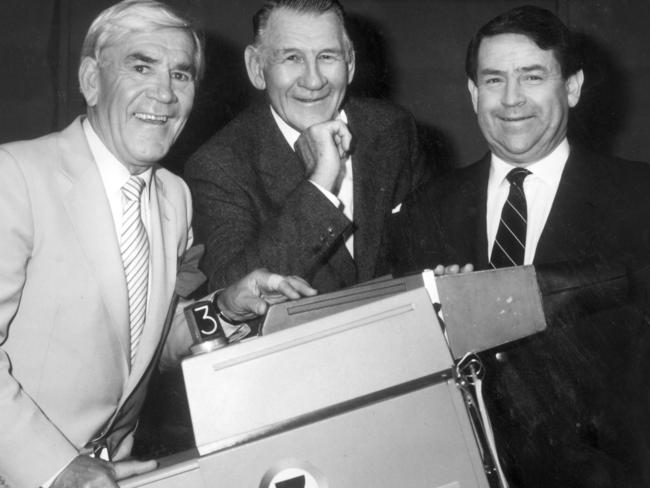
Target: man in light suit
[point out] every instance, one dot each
(73, 368)
(319, 212)
(567, 405)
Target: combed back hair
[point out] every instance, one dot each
(261, 17)
(130, 16)
(538, 24)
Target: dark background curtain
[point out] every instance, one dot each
(409, 51)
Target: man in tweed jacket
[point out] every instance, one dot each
(317, 212)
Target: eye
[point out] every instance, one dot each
(532, 78)
(292, 58)
(493, 80)
(142, 68)
(181, 76)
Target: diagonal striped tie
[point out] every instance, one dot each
(134, 247)
(510, 243)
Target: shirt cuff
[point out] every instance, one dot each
(330, 196)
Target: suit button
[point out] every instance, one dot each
(330, 230)
(502, 357)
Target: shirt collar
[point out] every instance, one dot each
(114, 174)
(548, 169)
(290, 134)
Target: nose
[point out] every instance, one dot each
(513, 94)
(162, 89)
(312, 78)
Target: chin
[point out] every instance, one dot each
(307, 118)
(153, 146)
(151, 157)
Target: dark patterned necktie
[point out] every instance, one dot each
(510, 243)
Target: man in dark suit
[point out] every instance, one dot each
(319, 214)
(564, 403)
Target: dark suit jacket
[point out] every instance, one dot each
(566, 404)
(254, 207)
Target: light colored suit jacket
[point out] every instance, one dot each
(64, 321)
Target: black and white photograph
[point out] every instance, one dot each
(325, 244)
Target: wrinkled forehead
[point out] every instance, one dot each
(287, 29)
(173, 45)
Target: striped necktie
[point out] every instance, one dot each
(510, 243)
(134, 247)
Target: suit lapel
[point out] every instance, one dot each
(478, 212)
(372, 169)
(92, 221)
(278, 165)
(571, 230)
(467, 231)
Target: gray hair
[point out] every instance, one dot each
(261, 17)
(130, 16)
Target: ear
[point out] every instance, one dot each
(573, 87)
(89, 80)
(351, 65)
(255, 67)
(473, 92)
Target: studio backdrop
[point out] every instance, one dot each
(408, 51)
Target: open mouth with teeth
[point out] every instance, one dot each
(158, 119)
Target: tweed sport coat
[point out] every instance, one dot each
(255, 208)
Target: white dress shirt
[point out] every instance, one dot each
(540, 188)
(114, 176)
(344, 199)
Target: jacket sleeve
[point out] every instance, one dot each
(32, 449)
(243, 229)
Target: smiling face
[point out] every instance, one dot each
(140, 94)
(521, 99)
(303, 65)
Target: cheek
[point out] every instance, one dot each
(485, 116)
(484, 107)
(186, 103)
(549, 112)
(281, 79)
(338, 77)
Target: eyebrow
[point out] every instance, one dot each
(533, 67)
(524, 69)
(189, 67)
(283, 50)
(144, 58)
(289, 49)
(137, 56)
